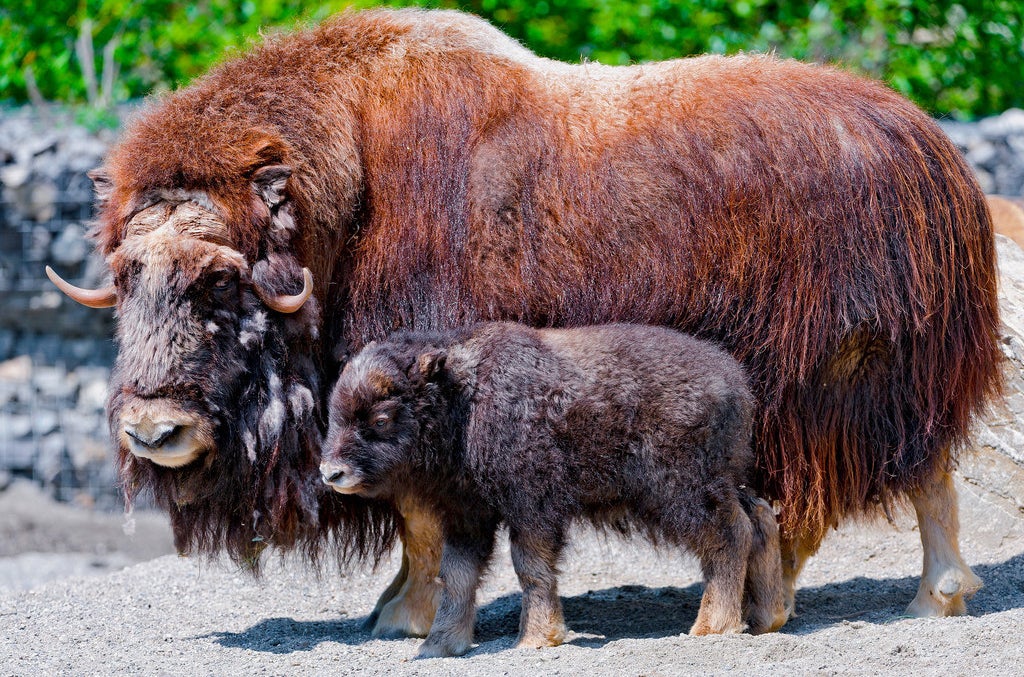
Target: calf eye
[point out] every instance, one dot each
(381, 421)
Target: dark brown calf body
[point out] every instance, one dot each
(623, 426)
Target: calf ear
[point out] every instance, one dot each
(102, 185)
(430, 364)
(270, 183)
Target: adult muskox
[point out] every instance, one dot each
(431, 172)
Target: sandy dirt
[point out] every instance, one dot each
(628, 605)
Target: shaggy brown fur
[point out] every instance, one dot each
(620, 424)
(816, 224)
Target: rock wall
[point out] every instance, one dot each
(55, 355)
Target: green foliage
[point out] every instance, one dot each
(964, 58)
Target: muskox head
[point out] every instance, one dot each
(213, 394)
(197, 327)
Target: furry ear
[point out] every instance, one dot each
(270, 182)
(430, 364)
(102, 185)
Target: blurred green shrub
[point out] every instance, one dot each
(964, 58)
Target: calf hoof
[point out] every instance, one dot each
(443, 649)
(946, 596)
(538, 640)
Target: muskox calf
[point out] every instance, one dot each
(620, 425)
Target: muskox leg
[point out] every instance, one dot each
(723, 551)
(462, 562)
(765, 609)
(946, 580)
(796, 550)
(390, 592)
(535, 558)
(408, 605)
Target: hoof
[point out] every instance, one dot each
(701, 629)
(947, 597)
(789, 605)
(759, 623)
(404, 616)
(443, 649)
(539, 640)
(396, 622)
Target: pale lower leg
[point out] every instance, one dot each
(541, 622)
(724, 562)
(451, 634)
(796, 550)
(390, 592)
(407, 607)
(946, 580)
(765, 605)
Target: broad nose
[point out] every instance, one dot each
(335, 472)
(151, 434)
(163, 432)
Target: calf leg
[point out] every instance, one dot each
(723, 549)
(408, 605)
(462, 562)
(765, 608)
(946, 580)
(535, 557)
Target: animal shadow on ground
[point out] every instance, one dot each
(598, 617)
(287, 635)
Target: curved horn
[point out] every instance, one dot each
(94, 298)
(289, 304)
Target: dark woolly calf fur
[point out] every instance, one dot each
(619, 425)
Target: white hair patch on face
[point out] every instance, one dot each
(212, 328)
(283, 220)
(301, 400)
(253, 328)
(250, 445)
(272, 422)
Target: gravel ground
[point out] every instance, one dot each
(627, 604)
(41, 540)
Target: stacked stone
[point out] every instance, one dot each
(994, 147)
(54, 354)
(45, 211)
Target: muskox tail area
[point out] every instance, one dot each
(899, 353)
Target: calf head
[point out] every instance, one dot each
(379, 409)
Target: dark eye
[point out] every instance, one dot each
(223, 282)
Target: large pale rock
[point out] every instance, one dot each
(992, 478)
(1003, 429)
